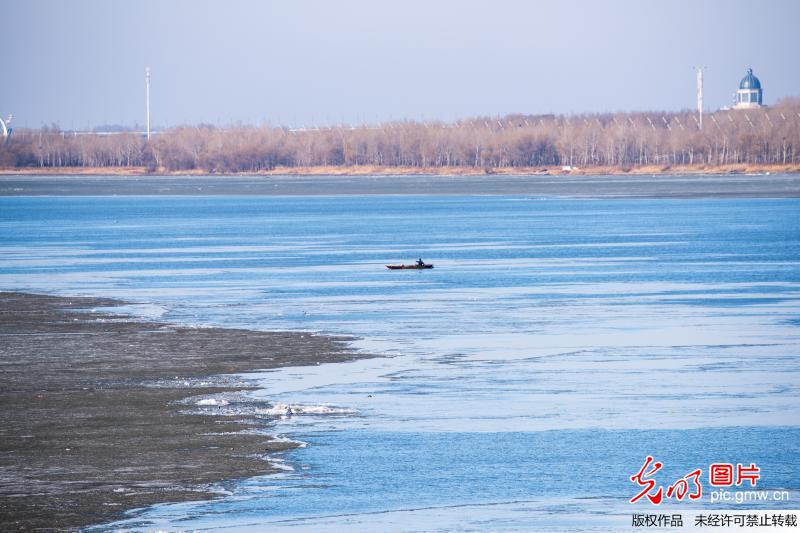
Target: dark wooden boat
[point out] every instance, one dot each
(409, 267)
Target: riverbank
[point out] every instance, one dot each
(609, 186)
(373, 170)
(86, 434)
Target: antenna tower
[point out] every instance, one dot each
(147, 84)
(700, 96)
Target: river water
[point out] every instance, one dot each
(520, 383)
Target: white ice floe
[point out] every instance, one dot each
(233, 404)
(141, 311)
(289, 409)
(279, 464)
(212, 401)
(283, 438)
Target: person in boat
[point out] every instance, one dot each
(420, 262)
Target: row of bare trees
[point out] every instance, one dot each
(760, 136)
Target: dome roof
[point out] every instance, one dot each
(749, 81)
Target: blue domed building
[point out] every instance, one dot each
(749, 95)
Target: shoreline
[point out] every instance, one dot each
(541, 186)
(372, 170)
(87, 437)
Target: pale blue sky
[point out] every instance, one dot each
(81, 63)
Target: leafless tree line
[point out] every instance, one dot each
(760, 136)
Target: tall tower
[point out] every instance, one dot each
(700, 96)
(147, 85)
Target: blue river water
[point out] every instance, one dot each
(520, 383)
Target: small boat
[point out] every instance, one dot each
(409, 267)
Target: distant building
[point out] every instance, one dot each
(749, 95)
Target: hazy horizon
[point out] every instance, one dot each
(81, 64)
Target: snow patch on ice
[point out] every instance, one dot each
(212, 401)
(290, 409)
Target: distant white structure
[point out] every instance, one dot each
(700, 97)
(4, 125)
(749, 95)
(147, 84)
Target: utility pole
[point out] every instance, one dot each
(147, 84)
